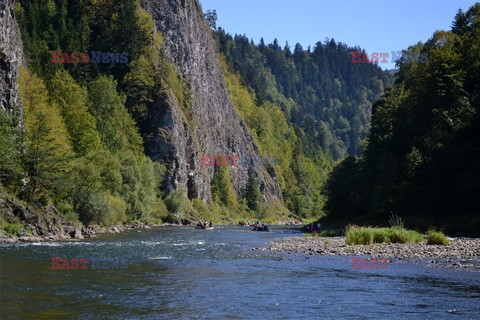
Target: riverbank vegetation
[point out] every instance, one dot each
(323, 234)
(355, 235)
(437, 237)
(368, 235)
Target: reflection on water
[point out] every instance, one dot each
(183, 273)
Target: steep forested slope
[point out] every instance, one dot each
(423, 157)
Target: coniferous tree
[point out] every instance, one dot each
(252, 193)
(222, 188)
(11, 146)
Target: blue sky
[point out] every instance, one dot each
(376, 26)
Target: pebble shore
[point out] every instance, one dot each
(460, 254)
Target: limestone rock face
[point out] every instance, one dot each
(11, 57)
(216, 127)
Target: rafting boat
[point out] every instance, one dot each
(204, 227)
(261, 228)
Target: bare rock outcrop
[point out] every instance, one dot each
(11, 57)
(215, 127)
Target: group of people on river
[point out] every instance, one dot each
(257, 226)
(205, 225)
(260, 226)
(312, 227)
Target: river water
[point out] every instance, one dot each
(183, 273)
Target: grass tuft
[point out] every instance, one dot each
(437, 237)
(395, 221)
(368, 235)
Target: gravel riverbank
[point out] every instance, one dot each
(460, 254)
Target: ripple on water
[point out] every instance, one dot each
(47, 244)
(190, 243)
(153, 243)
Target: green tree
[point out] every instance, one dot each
(222, 188)
(11, 139)
(34, 96)
(45, 169)
(48, 146)
(140, 84)
(211, 17)
(177, 204)
(117, 129)
(252, 193)
(72, 100)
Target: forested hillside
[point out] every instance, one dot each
(325, 96)
(80, 148)
(423, 156)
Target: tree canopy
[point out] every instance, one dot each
(422, 161)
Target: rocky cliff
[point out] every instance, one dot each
(217, 127)
(11, 57)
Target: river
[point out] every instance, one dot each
(183, 273)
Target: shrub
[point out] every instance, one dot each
(381, 235)
(72, 216)
(436, 237)
(91, 207)
(400, 235)
(359, 235)
(368, 235)
(177, 203)
(328, 234)
(12, 229)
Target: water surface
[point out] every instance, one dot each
(183, 273)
